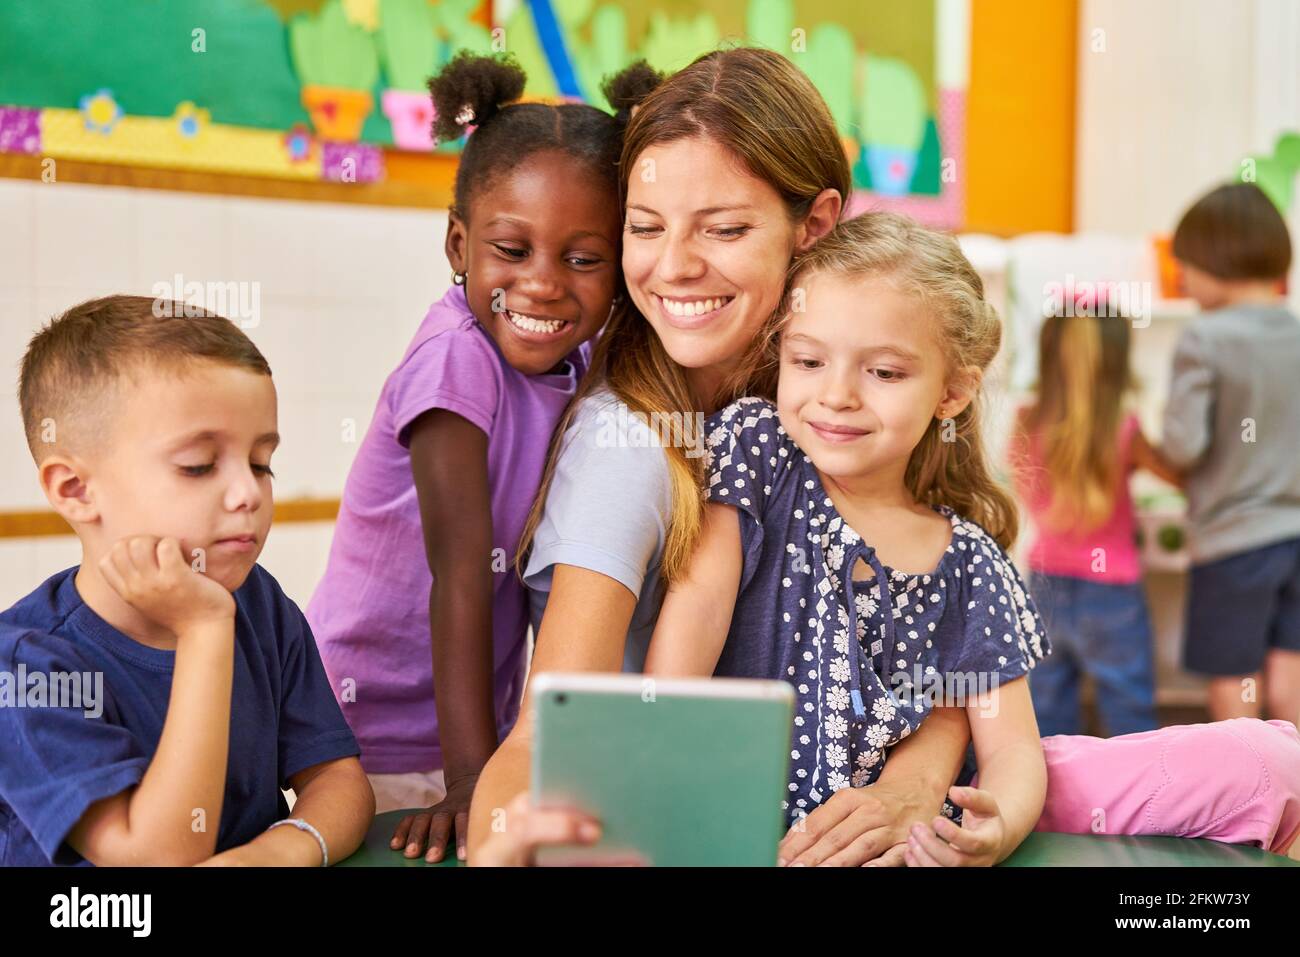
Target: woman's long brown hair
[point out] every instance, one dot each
(761, 108)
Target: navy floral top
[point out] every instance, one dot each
(942, 637)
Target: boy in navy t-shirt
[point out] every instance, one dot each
(155, 699)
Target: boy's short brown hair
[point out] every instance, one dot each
(1235, 232)
(76, 363)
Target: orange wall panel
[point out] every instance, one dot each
(1020, 116)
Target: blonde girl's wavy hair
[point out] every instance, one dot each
(950, 465)
(1083, 370)
(764, 110)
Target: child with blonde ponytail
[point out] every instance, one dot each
(1073, 452)
(857, 524)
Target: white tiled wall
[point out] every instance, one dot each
(1172, 96)
(342, 289)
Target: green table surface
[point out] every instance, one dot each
(1038, 850)
(1042, 849)
(375, 852)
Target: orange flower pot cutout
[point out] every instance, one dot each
(337, 113)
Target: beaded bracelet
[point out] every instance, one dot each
(302, 825)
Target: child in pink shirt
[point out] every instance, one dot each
(1073, 452)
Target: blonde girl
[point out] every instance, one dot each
(855, 546)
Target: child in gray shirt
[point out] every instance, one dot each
(1232, 426)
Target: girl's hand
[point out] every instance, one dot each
(854, 827)
(896, 856)
(524, 829)
(977, 843)
(437, 824)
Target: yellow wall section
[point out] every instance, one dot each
(1020, 116)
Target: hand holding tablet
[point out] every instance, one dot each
(679, 771)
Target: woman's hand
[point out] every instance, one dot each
(437, 824)
(976, 843)
(855, 827)
(869, 825)
(523, 829)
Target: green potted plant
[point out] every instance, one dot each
(337, 64)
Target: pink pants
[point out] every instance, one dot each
(1234, 781)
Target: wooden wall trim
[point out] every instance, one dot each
(421, 181)
(43, 523)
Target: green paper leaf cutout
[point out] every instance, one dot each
(671, 44)
(829, 63)
(927, 180)
(527, 50)
(769, 23)
(408, 43)
(893, 104)
(327, 50)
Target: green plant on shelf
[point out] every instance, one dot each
(1170, 538)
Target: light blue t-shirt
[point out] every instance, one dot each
(608, 510)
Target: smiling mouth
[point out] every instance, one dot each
(536, 325)
(837, 433)
(690, 308)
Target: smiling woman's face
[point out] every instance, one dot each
(705, 252)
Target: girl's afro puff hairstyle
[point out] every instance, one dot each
(482, 92)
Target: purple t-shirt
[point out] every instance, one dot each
(370, 613)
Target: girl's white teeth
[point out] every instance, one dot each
(529, 324)
(693, 307)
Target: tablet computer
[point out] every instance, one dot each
(679, 771)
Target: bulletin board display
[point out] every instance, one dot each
(281, 88)
(334, 90)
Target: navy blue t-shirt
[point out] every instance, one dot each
(940, 637)
(57, 756)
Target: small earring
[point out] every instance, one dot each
(459, 278)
